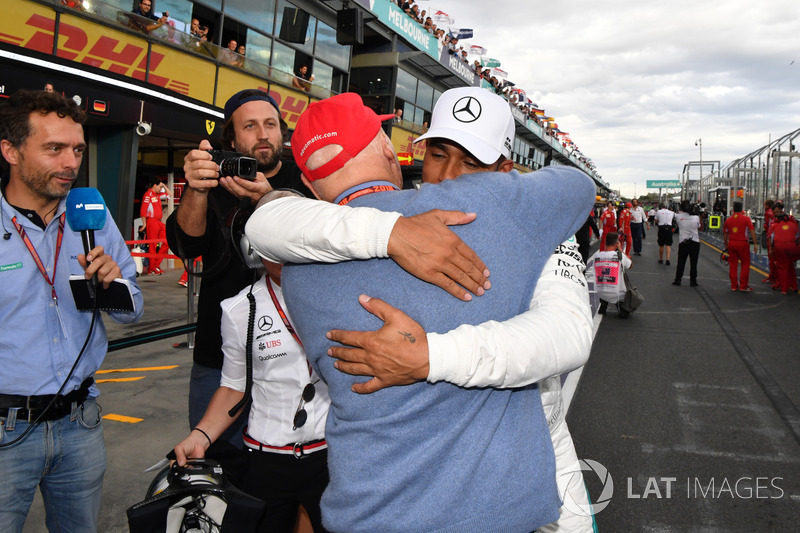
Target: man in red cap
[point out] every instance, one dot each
(334, 151)
(737, 231)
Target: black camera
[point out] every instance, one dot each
(698, 209)
(234, 164)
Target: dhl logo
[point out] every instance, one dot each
(417, 149)
(291, 107)
(105, 52)
(127, 57)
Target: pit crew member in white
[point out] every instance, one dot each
(285, 435)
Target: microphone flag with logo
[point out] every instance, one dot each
(86, 212)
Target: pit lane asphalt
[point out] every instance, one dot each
(689, 406)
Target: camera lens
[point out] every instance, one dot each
(229, 167)
(247, 167)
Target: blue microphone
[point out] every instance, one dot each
(86, 212)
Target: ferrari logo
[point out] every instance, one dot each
(210, 124)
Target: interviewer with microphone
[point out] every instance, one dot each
(51, 434)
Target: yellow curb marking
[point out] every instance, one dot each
(146, 369)
(120, 418)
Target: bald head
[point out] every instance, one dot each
(376, 161)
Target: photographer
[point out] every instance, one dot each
(212, 208)
(688, 225)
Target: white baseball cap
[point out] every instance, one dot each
(478, 120)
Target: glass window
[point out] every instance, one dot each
(124, 5)
(371, 80)
(179, 10)
(256, 13)
(436, 95)
(258, 47)
(323, 74)
(282, 57)
(294, 25)
(338, 81)
(328, 49)
(406, 88)
(217, 4)
(424, 96)
(420, 116)
(408, 112)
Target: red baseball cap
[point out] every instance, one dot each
(342, 120)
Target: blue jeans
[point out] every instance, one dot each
(637, 229)
(203, 383)
(66, 458)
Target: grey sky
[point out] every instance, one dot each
(636, 84)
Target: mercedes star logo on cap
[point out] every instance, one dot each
(265, 323)
(467, 109)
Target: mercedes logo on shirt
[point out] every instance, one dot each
(467, 109)
(265, 323)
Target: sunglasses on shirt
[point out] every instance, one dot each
(301, 416)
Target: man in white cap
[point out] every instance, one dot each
(480, 356)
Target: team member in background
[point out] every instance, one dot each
(769, 215)
(638, 220)
(689, 243)
(285, 439)
(624, 229)
(783, 241)
(583, 237)
(605, 269)
(151, 214)
(664, 220)
(608, 223)
(51, 433)
(737, 232)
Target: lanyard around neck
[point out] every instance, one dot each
(35, 255)
(365, 188)
(285, 318)
(282, 313)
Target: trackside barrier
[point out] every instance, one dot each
(190, 327)
(153, 336)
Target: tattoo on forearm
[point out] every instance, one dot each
(409, 337)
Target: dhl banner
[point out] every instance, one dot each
(32, 26)
(403, 142)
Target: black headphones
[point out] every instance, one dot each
(7, 234)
